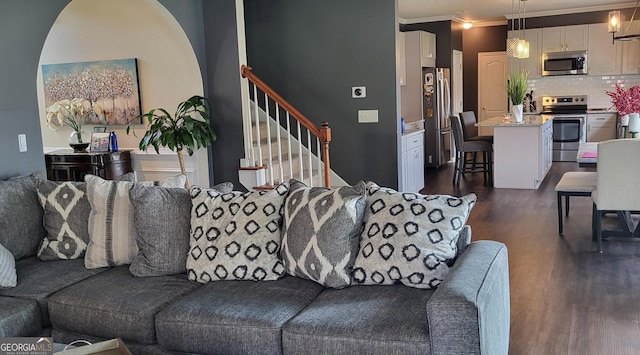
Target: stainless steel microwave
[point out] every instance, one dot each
(564, 63)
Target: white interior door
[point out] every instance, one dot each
(492, 93)
(456, 82)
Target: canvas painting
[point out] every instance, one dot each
(110, 86)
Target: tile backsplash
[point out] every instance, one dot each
(592, 86)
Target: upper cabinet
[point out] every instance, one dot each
(605, 57)
(565, 38)
(531, 64)
(428, 49)
(631, 50)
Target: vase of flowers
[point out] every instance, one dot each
(517, 91)
(627, 103)
(73, 113)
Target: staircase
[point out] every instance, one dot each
(281, 143)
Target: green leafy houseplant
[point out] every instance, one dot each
(189, 128)
(517, 86)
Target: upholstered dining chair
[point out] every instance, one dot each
(465, 146)
(617, 185)
(469, 120)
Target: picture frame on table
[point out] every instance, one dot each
(100, 142)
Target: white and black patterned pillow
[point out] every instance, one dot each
(408, 237)
(112, 234)
(321, 231)
(236, 235)
(8, 275)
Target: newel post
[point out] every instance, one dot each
(325, 130)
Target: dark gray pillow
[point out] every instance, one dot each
(66, 218)
(162, 218)
(321, 232)
(21, 228)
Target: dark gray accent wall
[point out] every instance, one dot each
(24, 26)
(223, 87)
(476, 40)
(312, 52)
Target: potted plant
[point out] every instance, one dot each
(517, 91)
(188, 128)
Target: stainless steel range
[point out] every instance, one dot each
(569, 124)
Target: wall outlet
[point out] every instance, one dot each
(367, 116)
(358, 92)
(22, 142)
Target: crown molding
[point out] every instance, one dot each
(575, 10)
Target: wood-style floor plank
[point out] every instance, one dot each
(565, 297)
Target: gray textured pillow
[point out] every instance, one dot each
(408, 237)
(21, 227)
(8, 275)
(236, 235)
(112, 235)
(321, 231)
(162, 218)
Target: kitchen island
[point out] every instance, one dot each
(522, 152)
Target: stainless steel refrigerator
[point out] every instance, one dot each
(436, 106)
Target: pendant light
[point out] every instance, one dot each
(614, 25)
(523, 45)
(512, 43)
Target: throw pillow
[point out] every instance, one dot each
(235, 236)
(408, 237)
(21, 229)
(8, 275)
(321, 231)
(112, 235)
(66, 217)
(162, 218)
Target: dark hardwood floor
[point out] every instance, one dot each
(565, 297)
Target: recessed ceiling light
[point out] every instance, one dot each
(467, 25)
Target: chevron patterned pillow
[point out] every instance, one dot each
(321, 231)
(8, 276)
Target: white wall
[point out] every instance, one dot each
(89, 30)
(593, 86)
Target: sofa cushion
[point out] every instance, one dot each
(112, 236)
(362, 320)
(409, 238)
(8, 276)
(21, 229)
(19, 317)
(66, 218)
(234, 317)
(321, 231)
(116, 304)
(38, 279)
(236, 235)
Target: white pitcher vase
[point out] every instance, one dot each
(634, 124)
(517, 112)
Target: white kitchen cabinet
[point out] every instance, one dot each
(546, 150)
(413, 162)
(565, 38)
(427, 49)
(605, 56)
(630, 49)
(601, 126)
(531, 64)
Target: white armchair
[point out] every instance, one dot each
(618, 185)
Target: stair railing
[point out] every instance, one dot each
(263, 97)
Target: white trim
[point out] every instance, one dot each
(244, 84)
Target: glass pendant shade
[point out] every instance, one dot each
(523, 49)
(614, 21)
(512, 47)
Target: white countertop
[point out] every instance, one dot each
(412, 131)
(527, 121)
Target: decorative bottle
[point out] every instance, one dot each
(113, 142)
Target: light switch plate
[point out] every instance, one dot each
(22, 142)
(367, 116)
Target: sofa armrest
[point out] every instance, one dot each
(469, 313)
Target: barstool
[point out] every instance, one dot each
(463, 147)
(574, 183)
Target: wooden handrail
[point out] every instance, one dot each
(247, 73)
(323, 133)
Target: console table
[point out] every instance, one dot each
(65, 165)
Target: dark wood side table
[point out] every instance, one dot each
(65, 165)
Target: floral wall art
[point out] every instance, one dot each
(110, 87)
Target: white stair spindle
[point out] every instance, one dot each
(257, 117)
(300, 163)
(309, 158)
(269, 151)
(279, 140)
(289, 146)
(319, 160)
(252, 153)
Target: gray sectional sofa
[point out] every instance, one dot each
(468, 313)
